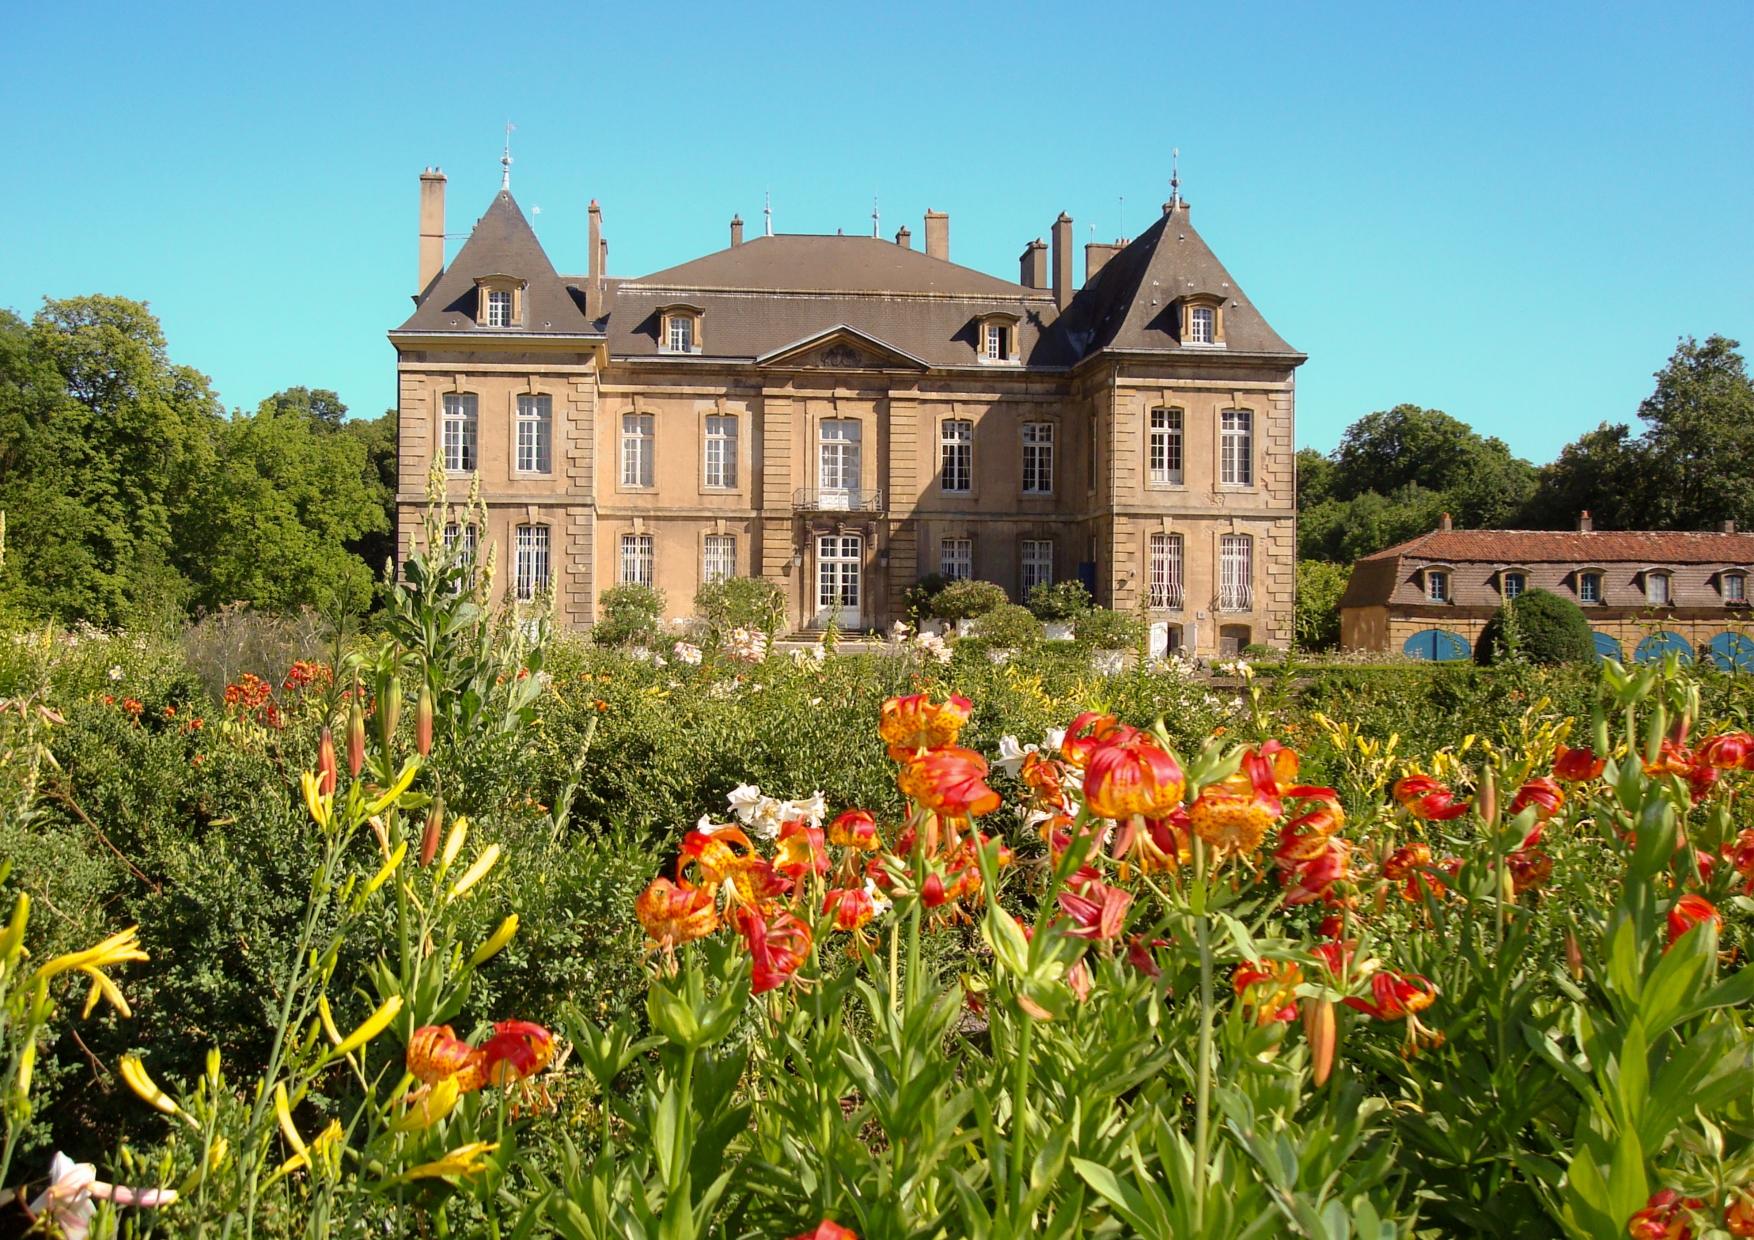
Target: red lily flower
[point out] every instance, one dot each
(949, 781)
(800, 850)
(1690, 911)
(826, 1230)
(1528, 870)
(1544, 794)
(1731, 751)
(855, 829)
(910, 724)
(1395, 996)
(675, 913)
(1576, 766)
(1129, 773)
(851, 908)
(1664, 1217)
(1096, 909)
(778, 946)
(1427, 800)
(517, 1049)
(1269, 987)
(1234, 814)
(436, 1052)
(1087, 732)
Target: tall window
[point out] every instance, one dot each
(1236, 448)
(499, 309)
(721, 451)
(1038, 564)
(1038, 458)
(840, 454)
(995, 342)
(681, 334)
(535, 434)
(720, 557)
(1735, 588)
(453, 531)
(1166, 445)
(1436, 586)
(1166, 572)
(636, 559)
(1656, 589)
(956, 558)
(1514, 584)
(1589, 588)
(532, 560)
(636, 449)
(460, 430)
(1201, 320)
(1236, 572)
(957, 439)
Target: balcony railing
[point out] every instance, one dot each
(1236, 598)
(844, 499)
(1166, 596)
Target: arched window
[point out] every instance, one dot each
(1608, 648)
(1733, 652)
(1437, 644)
(1654, 648)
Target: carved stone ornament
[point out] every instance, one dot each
(840, 355)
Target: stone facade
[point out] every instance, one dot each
(889, 415)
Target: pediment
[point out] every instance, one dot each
(842, 348)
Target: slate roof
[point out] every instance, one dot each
(1585, 547)
(502, 243)
(1127, 305)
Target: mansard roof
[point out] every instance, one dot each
(502, 243)
(1130, 304)
(1584, 547)
(807, 263)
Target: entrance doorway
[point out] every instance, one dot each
(1233, 639)
(839, 558)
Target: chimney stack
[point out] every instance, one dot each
(1729, 527)
(1585, 524)
(736, 230)
(432, 229)
(937, 234)
(1096, 256)
(1444, 523)
(594, 261)
(1063, 261)
(904, 238)
(1035, 264)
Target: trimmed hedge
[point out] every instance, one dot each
(1537, 627)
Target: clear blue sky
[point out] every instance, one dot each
(1509, 212)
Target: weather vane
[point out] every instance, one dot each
(874, 215)
(1175, 180)
(505, 161)
(767, 209)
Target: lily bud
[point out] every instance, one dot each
(1488, 796)
(423, 721)
(1573, 956)
(390, 712)
(1322, 1033)
(435, 825)
(327, 769)
(488, 950)
(356, 737)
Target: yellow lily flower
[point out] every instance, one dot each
(134, 1073)
(496, 944)
(464, 1160)
(320, 805)
(454, 843)
(117, 949)
(216, 1154)
(486, 861)
(383, 875)
(371, 1026)
(438, 1103)
(406, 777)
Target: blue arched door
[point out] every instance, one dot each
(1655, 647)
(1608, 648)
(1437, 644)
(1733, 652)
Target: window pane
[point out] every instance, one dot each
(1733, 588)
(1166, 572)
(957, 455)
(720, 557)
(532, 560)
(1657, 589)
(839, 448)
(636, 449)
(956, 558)
(459, 432)
(636, 559)
(1166, 445)
(1038, 458)
(1235, 572)
(1590, 588)
(721, 451)
(1236, 448)
(1200, 320)
(1038, 564)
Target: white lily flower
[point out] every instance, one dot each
(879, 902)
(745, 799)
(66, 1202)
(1011, 754)
(812, 808)
(1055, 738)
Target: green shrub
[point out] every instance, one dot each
(965, 600)
(1063, 600)
(1537, 627)
(1256, 651)
(632, 616)
(1319, 588)
(1102, 629)
(742, 603)
(1009, 627)
(918, 597)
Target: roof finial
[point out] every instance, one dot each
(505, 161)
(873, 215)
(767, 210)
(1175, 179)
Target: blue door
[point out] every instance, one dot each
(1437, 644)
(1608, 648)
(1655, 647)
(1733, 652)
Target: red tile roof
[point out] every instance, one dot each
(1575, 547)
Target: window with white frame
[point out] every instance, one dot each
(531, 545)
(1038, 564)
(956, 558)
(839, 444)
(1436, 585)
(535, 434)
(453, 532)
(1236, 572)
(1166, 572)
(499, 308)
(719, 557)
(1202, 323)
(721, 450)
(1166, 446)
(1656, 589)
(1589, 588)
(1038, 458)
(994, 342)
(1514, 584)
(1236, 448)
(681, 334)
(636, 449)
(461, 432)
(956, 437)
(1735, 587)
(636, 559)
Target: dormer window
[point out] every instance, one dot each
(1656, 589)
(994, 349)
(995, 339)
(1512, 584)
(1201, 328)
(679, 328)
(501, 302)
(1436, 585)
(499, 308)
(1734, 587)
(1589, 587)
(1201, 320)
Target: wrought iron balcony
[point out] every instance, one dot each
(836, 499)
(1236, 598)
(1165, 596)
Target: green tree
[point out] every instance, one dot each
(1537, 627)
(320, 405)
(1316, 622)
(1602, 473)
(377, 547)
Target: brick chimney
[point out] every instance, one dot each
(1063, 261)
(432, 229)
(904, 238)
(736, 230)
(594, 281)
(1096, 256)
(1444, 523)
(1034, 264)
(1585, 523)
(937, 234)
(1729, 527)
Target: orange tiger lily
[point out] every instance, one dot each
(1269, 987)
(1690, 911)
(910, 724)
(517, 1049)
(855, 829)
(675, 913)
(949, 781)
(1128, 774)
(1427, 800)
(1577, 766)
(1087, 732)
(435, 1052)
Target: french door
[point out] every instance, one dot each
(838, 561)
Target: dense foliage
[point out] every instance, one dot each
(1537, 626)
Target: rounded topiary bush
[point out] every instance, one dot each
(630, 615)
(1537, 627)
(1009, 627)
(1103, 629)
(1063, 600)
(965, 600)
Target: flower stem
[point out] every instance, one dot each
(1203, 1085)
